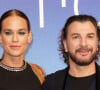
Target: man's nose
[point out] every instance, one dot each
(83, 42)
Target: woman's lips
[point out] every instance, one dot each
(15, 47)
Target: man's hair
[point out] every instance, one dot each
(14, 12)
(64, 32)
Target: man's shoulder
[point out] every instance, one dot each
(56, 75)
(54, 80)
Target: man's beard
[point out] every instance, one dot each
(83, 62)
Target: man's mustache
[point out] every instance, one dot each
(84, 49)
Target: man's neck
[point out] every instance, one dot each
(81, 71)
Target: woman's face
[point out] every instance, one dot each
(14, 36)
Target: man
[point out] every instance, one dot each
(79, 46)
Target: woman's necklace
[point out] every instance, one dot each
(15, 69)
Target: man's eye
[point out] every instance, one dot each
(8, 33)
(21, 33)
(90, 36)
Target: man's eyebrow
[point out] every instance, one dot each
(91, 34)
(79, 34)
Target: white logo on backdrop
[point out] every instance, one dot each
(63, 4)
(41, 14)
(76, 11)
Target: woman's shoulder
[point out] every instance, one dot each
(38, 71)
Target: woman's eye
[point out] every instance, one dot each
(75, 37)
(21, 33)
(8, 33)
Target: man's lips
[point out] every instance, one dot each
(83, 52)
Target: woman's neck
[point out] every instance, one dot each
(13, 61)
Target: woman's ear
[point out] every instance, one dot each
(0, 39)
(65, 45)
(30, 37)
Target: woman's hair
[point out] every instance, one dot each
(14, 12)
(64, 32)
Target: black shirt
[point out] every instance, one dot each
(81, 83)
(21, 80)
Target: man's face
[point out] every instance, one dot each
(81, 42)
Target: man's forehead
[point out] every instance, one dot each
(80, 27)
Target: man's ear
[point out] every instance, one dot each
(30, 37)
(98, 48)
(65, 45)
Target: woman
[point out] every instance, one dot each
(15, 72)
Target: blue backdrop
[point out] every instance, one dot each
(47, 17)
